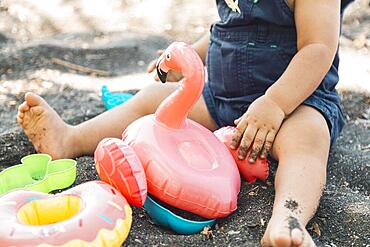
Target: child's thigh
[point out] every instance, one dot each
(304, 132)
(149, 98)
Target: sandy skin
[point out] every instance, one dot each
(43, 127)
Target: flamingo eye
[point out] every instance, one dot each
(168, 56)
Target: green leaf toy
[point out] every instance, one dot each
(38, 173)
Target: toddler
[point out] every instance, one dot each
(272, 70)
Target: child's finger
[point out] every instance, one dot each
(268, 144)
(259, 140)
(151, 66)
(236, 121)
(153, 63)
(247, 140)
(239, 131)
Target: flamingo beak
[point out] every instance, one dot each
(161, 73)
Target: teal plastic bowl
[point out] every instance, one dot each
(164, 217)
(114, 99)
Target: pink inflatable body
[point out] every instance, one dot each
(195, 172)
(185, 164)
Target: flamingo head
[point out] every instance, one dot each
(172, 58)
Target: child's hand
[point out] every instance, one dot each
(172, 75)
(259, 125)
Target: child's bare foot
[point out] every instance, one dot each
(44, 128)
(287, 233)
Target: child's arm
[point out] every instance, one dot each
(318, 24)
(201, 46)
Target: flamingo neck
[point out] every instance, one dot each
(173, 111)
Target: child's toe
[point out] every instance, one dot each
(23, 107)
(306, 240)
(297, 237)
(33, 99)
(265, 241)
(19, 120)
(281, 238)
(20, 114)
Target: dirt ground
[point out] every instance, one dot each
(121, 40)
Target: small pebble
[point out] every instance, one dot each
(232, 232)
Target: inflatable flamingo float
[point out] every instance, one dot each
(183, 163)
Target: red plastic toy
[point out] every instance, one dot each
(250, 172)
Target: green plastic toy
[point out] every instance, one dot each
(37, 172)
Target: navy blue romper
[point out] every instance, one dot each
(248, 52)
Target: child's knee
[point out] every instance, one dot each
(306, 131)
(314, 134)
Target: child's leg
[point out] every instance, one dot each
(49, 134)
(302, 148)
